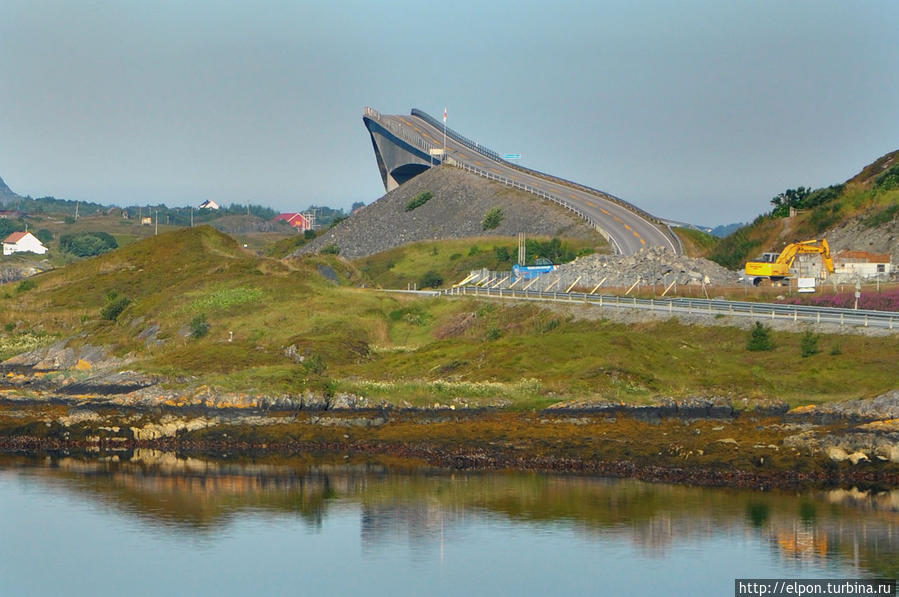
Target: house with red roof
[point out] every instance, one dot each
(295, 219)
(23, 242)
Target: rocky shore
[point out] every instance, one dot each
(60, 398)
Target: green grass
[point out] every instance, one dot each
(696, 242)
(453, 259)
(401, 347)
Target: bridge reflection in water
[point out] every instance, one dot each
(858, 529)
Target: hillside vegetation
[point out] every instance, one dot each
(193, 306)
(867, 201)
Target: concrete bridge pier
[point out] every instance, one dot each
(399, 158)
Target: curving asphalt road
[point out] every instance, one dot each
(627, 231)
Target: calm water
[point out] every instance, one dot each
(154, 524)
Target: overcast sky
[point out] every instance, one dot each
(697, 111)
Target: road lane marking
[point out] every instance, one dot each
(637, 235)
(617, 219)
(604, 211)
(628, 228)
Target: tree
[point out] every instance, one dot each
(794, 198)
(87, 244)
(492, 219)
(808, 344)
(760, 338)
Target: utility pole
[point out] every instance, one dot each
(76, 209)
(157, 221)
(444, 133)
(191, 216)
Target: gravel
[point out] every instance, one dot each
(456, 210)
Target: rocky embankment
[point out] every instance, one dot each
(456, 209)
(655, 265)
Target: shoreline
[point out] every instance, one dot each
(758, 450)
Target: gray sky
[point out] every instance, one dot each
(699, 111)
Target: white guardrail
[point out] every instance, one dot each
(694, 306)
(419, 143)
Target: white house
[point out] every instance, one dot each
(862, 264)
(209, 204)
(23, 242)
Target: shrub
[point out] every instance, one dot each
(309, 234)
(331, 249)
(808, 344)
(87, 244)
(824, 216)
(419, 200)
(889, 179)
(25, 286)
(881, 217)
(314, 364)
(44, 235)
(430, 279)
(493, 333)
(502, 254)
(760, 338)
(492, 219)
(199, 327)
(114, 307)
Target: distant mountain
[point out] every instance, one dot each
(7, 194)
(722, 231)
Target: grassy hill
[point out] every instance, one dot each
(194, 306)
(870, 199)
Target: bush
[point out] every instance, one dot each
(25, 286)
(502, 254)
(889, 179)
(492, 219)
(331, 249)
(431, 279)
(199, 327)
(44, 235)
(808, 344)
(419, 200)
(760, 338)
(309, 234)
(113, 308)
(88, 244)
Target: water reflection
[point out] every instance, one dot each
(859, 530)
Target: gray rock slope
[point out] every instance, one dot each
(456, 210)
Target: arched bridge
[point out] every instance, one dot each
(406, 146)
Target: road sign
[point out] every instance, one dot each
(512, 156)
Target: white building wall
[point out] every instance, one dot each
(27, 243)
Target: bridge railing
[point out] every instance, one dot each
(398, 131)
(535, 191)
(489, 153)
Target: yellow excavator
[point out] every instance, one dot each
(774, 268)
